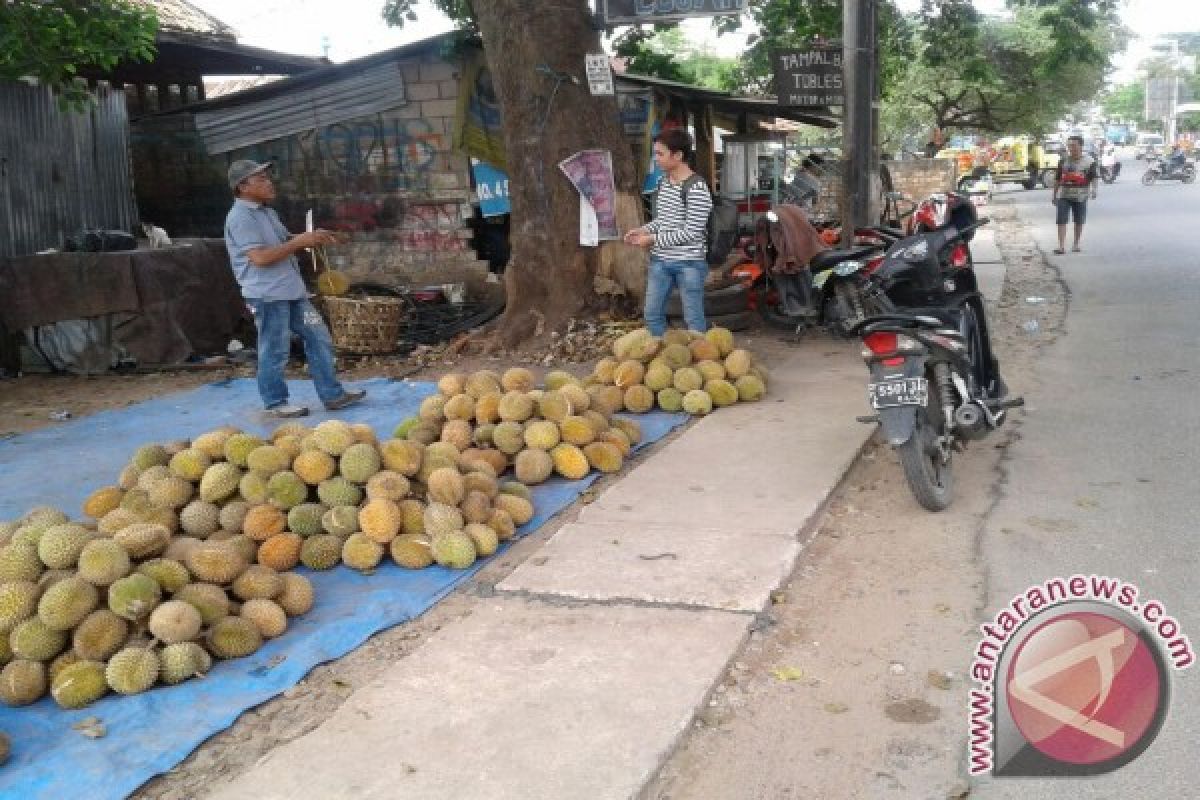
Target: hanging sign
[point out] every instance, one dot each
(599, 74)
(635, 12)
(809, 76)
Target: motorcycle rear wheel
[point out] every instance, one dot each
(929, 479)
(1149, 177)
(1189, 176)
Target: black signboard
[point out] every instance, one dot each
(633, 12)
(809, 76)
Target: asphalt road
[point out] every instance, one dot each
(1104, 477)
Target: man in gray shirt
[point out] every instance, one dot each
(263, 255)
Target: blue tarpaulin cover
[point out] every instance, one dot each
(152, 732)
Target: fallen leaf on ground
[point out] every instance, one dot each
(91, 727)
(837, 708)
(788, 673)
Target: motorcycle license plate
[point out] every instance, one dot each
(903, 392)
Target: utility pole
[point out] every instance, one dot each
(858, 151)
(1172, 104)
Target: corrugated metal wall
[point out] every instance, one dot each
(374, 89)
(61, 172)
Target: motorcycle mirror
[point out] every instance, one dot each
(772, 216)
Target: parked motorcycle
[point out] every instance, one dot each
(1160, 171)
(935, 384)
(826, 293)
(1110, 167)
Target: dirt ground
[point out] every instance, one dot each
(854, 687)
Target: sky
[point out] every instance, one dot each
(355, 28)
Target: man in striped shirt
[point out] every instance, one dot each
(676, 236)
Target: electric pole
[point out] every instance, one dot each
(858, 150)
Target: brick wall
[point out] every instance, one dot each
(392, 181)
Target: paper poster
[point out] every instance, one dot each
(591, 173)
(589, 229)
(491, 185)
(478, 132)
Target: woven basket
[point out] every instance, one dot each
(365, 325)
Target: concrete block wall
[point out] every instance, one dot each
(920, 177)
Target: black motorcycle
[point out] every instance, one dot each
(1161, 170)
(935, 382)
(1109, 174)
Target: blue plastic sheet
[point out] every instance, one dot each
(150, 733)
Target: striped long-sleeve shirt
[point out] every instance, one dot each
(679, 236)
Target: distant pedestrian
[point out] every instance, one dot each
(263, 255)
(1076, 182)
(676, 236)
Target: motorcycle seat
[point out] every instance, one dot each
(829, 258)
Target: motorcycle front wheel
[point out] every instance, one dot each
(1189, 176)
(1149, 177)
(930, 479)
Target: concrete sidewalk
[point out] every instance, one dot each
(577, 679)
(579, 676)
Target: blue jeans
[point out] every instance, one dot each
(276, 320)
(663, 275)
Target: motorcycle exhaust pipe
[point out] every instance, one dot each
(969, 422)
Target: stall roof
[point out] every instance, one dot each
(820, 116)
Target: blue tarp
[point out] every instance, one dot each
(149, 733)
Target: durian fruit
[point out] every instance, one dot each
(678, 336)
(517, 379)
(703, 350)
(212, 444)
(134, 596)
(340, 520)
(175, 621)
(247, 547)
(676, 356)
(132, 670)
(379, 520)
(232, 514)
(361, 553)
(722, 339)
(257, 581)
(183, 661)
(542, 434)
(264, 521)
(219, 482)
(750, 388)
(453, 549)
(63, 660)
(606, 399)
(519, 508)
(482, 382)
(722, 393)
(604, 457)
(359, 462)
(143, 539)
(210, 600)
(452, 383)
(33, 640)
(629, 373)
(322, 551)
(424, 433)
(605, 370)
(287, 429)
(179, 548)
(487, 408)
(252, 488)
(402, 456)
(22, 682)
(170, 575)
(516, 407)
(516, 488)
(658, 376)
(533, 466)
(710, 370)
(618, 439)
(569, 461)
(482, 436)
(99, 635)
(433, 408)
(639, 399)
(578, 397)
(441, 518)
(19, 562)
(576, 430)
(268, 459)
(238, 447)
(334, 437)
(128, 478)
(79, 684)
(509, 437)
(297, 596)
(411, 551)
(305, 519)
(697, 402)
(338, 491)
(476, 507)
(190, 464)
(738, 363)
(233, 637)
(66, 603)
(150, 455)
(60, 545)
(412, 516)
(502, 523)
(481, 481)
(104, 561)
(687, 379)
(266, 616)
(102, 501)
(459, 433)
(281, 552)
(557, 379)
(314, 466)
(171, 492)
(629, 427)
(446, 485)
(18, 602)
(215, 562)
(460, 407)
(285, 490)
(484, 538)
(388, 485)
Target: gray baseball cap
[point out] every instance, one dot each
(240, 170)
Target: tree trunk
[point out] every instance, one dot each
(550, 278)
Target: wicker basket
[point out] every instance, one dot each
(365, 325)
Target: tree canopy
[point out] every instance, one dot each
(52, 42)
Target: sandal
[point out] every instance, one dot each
(1058, 251)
